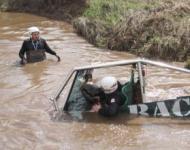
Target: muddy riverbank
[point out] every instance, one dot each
(56, 9)
(153, 29)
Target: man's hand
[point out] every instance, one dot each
(23, 61)
(58, 58)
(95, 108)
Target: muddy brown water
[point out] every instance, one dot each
(25, 118)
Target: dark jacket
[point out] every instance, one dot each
(110, 103)
(40, 47)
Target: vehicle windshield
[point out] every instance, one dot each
(76, 101)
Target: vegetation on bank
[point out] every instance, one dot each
(112, 11)
(187, 65)
(152, 28)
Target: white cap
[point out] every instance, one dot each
(109, 84)
(33, 29)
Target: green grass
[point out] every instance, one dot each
(151, 28)
(187, 65)
(112, 11)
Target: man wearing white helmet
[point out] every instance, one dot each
(112, 98)
(35, 48)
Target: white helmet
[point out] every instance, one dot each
(109, 84)
(33, 29)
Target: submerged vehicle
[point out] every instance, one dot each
(70, 98)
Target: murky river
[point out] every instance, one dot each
(25, 120)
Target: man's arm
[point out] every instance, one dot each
(50, 51)
(22, 50)
(109, 110)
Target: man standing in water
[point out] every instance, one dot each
(35, 48)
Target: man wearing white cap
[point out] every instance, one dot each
(112, 98)
(35, 48)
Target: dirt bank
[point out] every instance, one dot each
(57, 9)
(150, 28)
